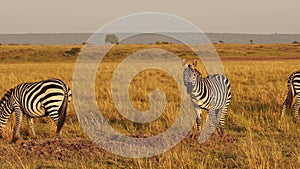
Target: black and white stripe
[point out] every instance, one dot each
(36, 99)
(211, 93)
(293, 93)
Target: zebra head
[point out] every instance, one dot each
(190, 75)
(5, 109)
(4, 102)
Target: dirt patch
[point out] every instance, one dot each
(58, 150)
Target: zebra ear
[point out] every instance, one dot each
(184, 62)
(194, 63)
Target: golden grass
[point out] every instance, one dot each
(255, 136)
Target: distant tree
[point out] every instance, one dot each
(112, 39)
(295, 43)
(163, 42)
(220, 41)
(251, 41)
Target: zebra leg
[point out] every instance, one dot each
(209, 126)
(287, 102)
(59, 123)
(198, 117)
(55, 118)
(3, 121)
(222, 120)
(213, 115)
(1, 132)
(284, 108)
(16, 134)
(296, 108)
(31, 126)
(58, 137)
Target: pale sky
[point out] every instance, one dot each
(87, 16)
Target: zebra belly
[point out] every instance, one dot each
(208, 104)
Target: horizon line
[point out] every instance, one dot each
(245, 33)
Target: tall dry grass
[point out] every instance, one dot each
(255, 135)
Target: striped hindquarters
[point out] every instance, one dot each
(293, 86)
(294, 81)
(42, 98)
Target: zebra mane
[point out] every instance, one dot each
(194, 70)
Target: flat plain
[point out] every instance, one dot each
(255, 135)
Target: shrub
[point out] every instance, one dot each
(73, 51)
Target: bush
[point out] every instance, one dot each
(73, 51)
(162, 42)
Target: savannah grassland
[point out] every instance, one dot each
(255, 135)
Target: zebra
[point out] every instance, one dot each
(211, 93)
(293, 86)
(35, 99)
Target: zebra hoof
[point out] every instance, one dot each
(220, 132)
(58, 138)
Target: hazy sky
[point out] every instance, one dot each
(62, 16)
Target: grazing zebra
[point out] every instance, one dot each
(211, 93)
(293, 91)
(36, 99)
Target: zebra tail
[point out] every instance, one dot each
(62, 113)
(289, 98)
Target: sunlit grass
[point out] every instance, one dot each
(255, 135)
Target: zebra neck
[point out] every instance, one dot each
(198, 84)
(5, 103)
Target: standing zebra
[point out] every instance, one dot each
(211, 93)
(36, 99)
(293, 91)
